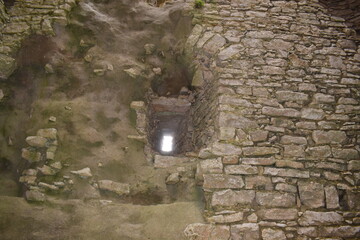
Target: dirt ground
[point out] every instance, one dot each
(78, 77)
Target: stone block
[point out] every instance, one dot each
(311, 194)
(343, 153)
(36, 141)
(272, 234)
(235, 121)
(208, 166)
(281, 172)
(30, 155)
(289, 164)
(225, 149)
(294, 151)
(260, 151)
(228, 218)
(226, 133)
(7, 66)
(354, 165)
(35, 196)
(200, 231)
(293, 140)
(284, 187)
(230, 52)
(323, 98)
(115, 187)
(319, 152)
(312, 114)
(310, 218)
(222, 181)
(168, 161)
(230, 159)
(279, 214)
(283, 96)
(258, 161)
(329, 137)
(280, 112)
(241, 169)
(245, 231)
(331, 197)
(342, 232)
(258, 182)
(50, 133)
(275, 199)
(231, 198)
(258, 135)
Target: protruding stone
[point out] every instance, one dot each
(228, 218)
(46, 170)
(241, 169)
(35, 196)
(115, 187)
(260, 151)
(293, 140)
(173, 178)
(30, 155)
(312, 114)
(311, 194)
(225, 149)
(36, 141)
(281, 112)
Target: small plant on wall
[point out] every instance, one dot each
(199, 4)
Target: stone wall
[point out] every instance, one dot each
(24, 18)
(284, 162)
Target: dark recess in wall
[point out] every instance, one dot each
(347, 9)
(9, 3)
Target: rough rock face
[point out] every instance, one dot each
(282, 115)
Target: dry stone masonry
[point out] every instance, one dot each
(23, 19)
(277, 119)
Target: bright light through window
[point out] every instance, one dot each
(167, 143)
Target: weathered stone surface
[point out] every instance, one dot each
(354, 165)
(258, 182)
(30, 155)
(329, 137)
(342, 231)
(323, 98)
(312, 114)
(291, 96)
(260, 151)
(234, 159)
(193, 38)
(258, 135)
(214, 44)
(272, 234)
(35, 196)
(280, 172)
(293, 140)
(245, 231)
(286, 187)
(115, 187)
(198, 79)
(230, 198)
(46, 170)
(222, 181)
(331, 197)
(173, 178)
(275, 199)
(294, 151)
(7, 66)
(278, 214)
(319, 152)
(343, 153)
(225, 149)
(241, 169)
(235, 121)
(258, 161)
(83, 173)
(281, 112)
(230, 51)
(289, 164)
(320, 218)
(50, 133)
(208, 166)
(311, 194)
(200, 231)
(36, 141)
(228, 218)
(226, 133)
(168, 161)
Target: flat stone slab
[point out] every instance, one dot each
(168, 161)
(115, 187)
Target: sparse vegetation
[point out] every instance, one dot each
(199, 4)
